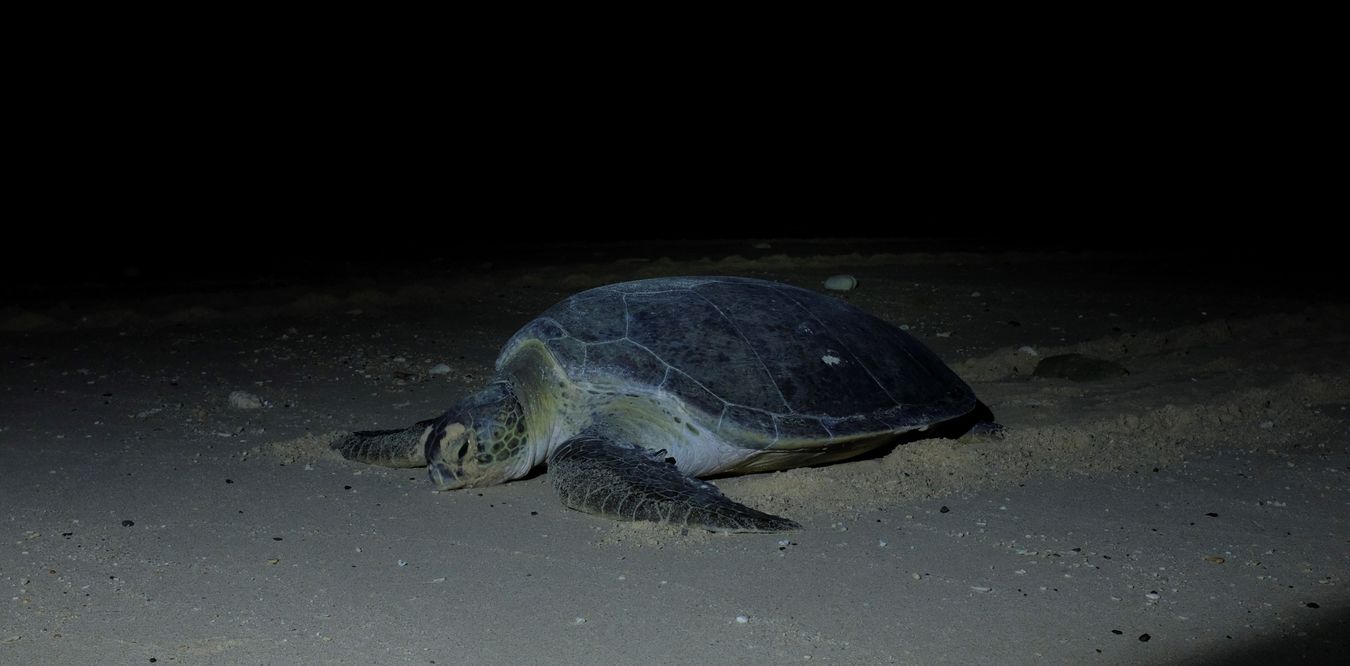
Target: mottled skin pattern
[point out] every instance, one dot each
(631, 391)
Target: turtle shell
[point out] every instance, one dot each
(787, 366)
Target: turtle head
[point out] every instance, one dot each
(479, 442)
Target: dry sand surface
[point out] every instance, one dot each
(167, 497)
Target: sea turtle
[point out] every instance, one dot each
(631, 392)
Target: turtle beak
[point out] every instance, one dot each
(446, 446)
(442, 476)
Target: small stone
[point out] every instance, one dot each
(438, 369)
(1078, 368)
(245, 400)
(127, 523)
(841, 282)
(741, 619)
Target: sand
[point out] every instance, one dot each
(167, 496)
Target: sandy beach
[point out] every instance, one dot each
(167, 495)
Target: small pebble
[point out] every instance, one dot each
(841, 282)
(403, 563)
(245, 400)
(1078, 368)
(741, 619)
(439, 369)
(580, 620)
(127, 523)
(1143, 638)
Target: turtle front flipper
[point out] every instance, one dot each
(599, 476)
(389, 448)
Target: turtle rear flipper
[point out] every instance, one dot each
(596, 475)
(390, 448)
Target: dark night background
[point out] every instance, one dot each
(239, 209)
(141, 172)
